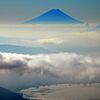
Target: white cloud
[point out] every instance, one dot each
(50, 41)
(59, 67)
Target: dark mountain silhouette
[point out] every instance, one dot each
(23, 49)
(9, 95)
(54, 16)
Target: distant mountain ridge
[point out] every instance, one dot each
(54, 16)
(23, 49)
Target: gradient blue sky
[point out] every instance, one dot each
(20, 10)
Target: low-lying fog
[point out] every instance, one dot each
(64, 92)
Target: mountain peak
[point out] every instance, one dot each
(55, 10)
(55, 16)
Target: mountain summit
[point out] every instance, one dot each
(54, 16)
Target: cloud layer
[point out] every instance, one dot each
(60, 67)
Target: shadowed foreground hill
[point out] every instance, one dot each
(8, 95)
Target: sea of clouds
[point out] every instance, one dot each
(48, 68)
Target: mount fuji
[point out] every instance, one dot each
(54, 16)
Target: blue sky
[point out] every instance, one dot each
(20, 10)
